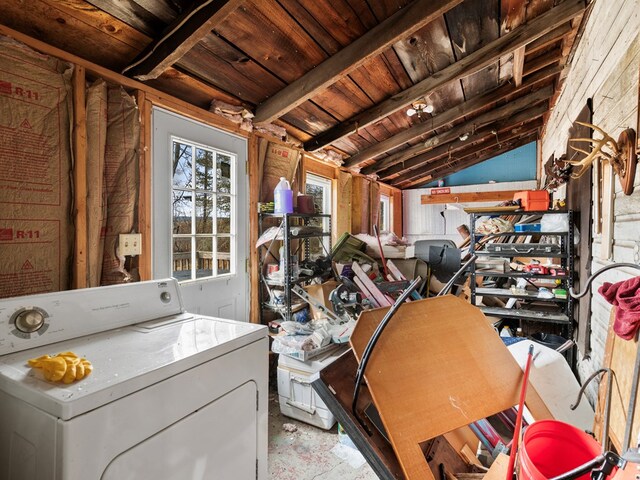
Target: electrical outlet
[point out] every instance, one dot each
(130, 244)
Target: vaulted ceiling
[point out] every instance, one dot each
(340, 75)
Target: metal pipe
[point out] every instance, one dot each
(372, 343)
(607, 404)
(457, 275)
(602, 270)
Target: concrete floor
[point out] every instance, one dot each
(305, 454)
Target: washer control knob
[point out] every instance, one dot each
(29, 321)
(165, 297)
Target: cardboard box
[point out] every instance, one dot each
(320, 293)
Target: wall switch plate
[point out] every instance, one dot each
(130, 244)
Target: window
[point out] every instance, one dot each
(320, 189)
(384, 219)
(203, 203)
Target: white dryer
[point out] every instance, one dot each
(172, 395)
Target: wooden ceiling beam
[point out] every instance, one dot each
(467, 128)
(504, 131)
(180, 37)
(449, 116)
(400, 25)
(492, 150)
(479, 158)
(470, 64)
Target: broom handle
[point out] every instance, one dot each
(516, 431)
(384, 262)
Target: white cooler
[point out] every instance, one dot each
(297, 397)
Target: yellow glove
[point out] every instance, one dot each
(66, 367)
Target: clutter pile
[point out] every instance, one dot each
(359, 283)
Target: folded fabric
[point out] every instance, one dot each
(66, 367)
(626, 296)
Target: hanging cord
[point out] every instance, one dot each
(166, 37)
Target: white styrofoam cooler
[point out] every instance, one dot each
(297, 397)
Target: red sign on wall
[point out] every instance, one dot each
(440, 191)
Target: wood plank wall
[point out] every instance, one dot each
(605, 67)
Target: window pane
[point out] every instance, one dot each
(224, 214)
(182, 258)
(223, 174)
(182, 165)
(204, 212)
(224, 255)
(204, 256)
(317, 192)
(204, 169)
(182, 209)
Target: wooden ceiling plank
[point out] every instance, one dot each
(549, 39)
(474, 62)
(469, 161)
(469, 107)
(506, 129)
(267, 32)
(518, 66)
(183, 34)
(472, 25)
(512, 15)
(135, 15)
(376, 40)
(510, 108)
(86, 32)
(312, 26)
(542, 61)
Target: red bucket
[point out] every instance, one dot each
(550, 448)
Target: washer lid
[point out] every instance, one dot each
(124, 360)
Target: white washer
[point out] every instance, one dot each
(172, 395)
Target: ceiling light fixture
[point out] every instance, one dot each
(419, 108)
(464, 137)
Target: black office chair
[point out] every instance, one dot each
(443, 257)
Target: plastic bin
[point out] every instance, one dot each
(297, 397)
(550, 448)
(533, 199)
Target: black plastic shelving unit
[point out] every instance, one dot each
(564, 314)
(286, 222)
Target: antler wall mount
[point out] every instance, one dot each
(621, 155)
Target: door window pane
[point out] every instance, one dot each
(182, 171)
(224, 255)
(205, 256)
(204, 212)
(203, 205)
(223, 175)
(204, 169)
(182, 258)
(182, 209)
(223, 210)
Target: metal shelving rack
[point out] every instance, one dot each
(564, 316)
(287, 221)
